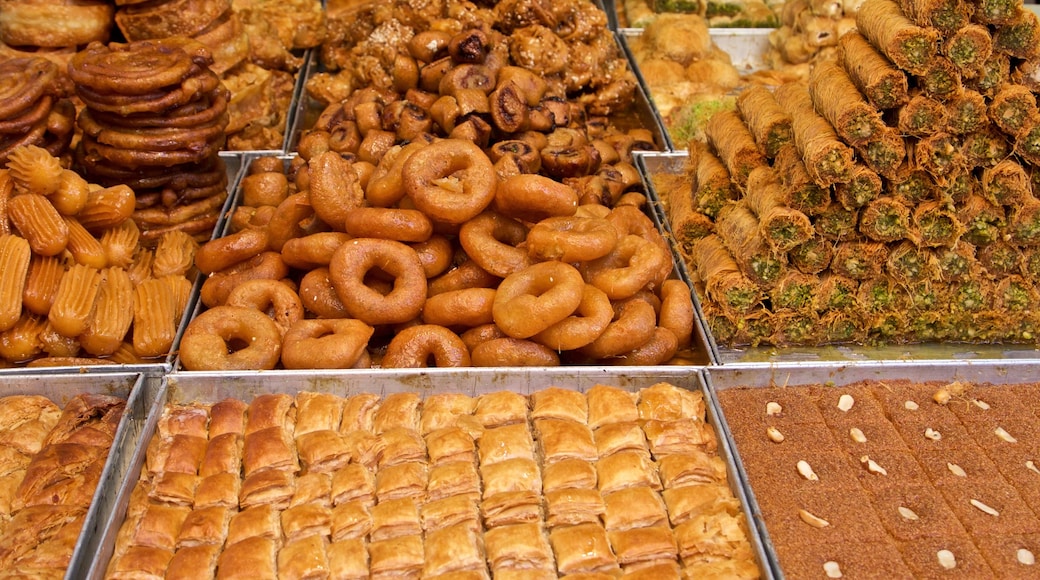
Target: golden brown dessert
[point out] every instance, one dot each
(399, 514)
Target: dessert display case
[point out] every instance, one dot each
(426, 394)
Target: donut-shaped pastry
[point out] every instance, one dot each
(535, 298)
(419, 346)
(355, 259)
(451, 180)
(208, 341)
(325, 343)
(272, 297)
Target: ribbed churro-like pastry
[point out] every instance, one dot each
(38, 222)
(14, 263)
(74, 303)
(113, 314)
(155, 318)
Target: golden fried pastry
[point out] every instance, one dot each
(166, 18)
(54, 24)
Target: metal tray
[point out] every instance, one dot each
(287, 144)
(837, 374)
(674, 164)
(212, 387)
(60, 388)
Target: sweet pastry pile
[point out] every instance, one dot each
(78, 287)
(895, 478)
(154, 120)
(718, 13)
(52, 462)
(34, 106)
(540, 486)
(54, 24)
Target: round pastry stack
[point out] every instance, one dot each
(34, 109)
(154, 119)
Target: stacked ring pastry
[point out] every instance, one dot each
(625, 484)
(53, 460)
(154, 119)
(34, 108)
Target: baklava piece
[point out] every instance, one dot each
(454, 478)
(404, 480)
(615, 437)
(227, 416)
(582, 548)
(394, 519)
(193, 562)
(205, 526)
(322, 451)
(348, 559)
(626, 469)
(305, 557)
(398, 410)
(679, 436)
(450, 444)
(350, 520)
(254, 557)
(641, 545)
(306, 520)
(269, 448)
(397, 557)
(519, 474)
(667, 402)
(568, 507)
(400, 445)
(317, 412)
(223, 455)
(271, 410)
(220, 489)
(140, 562)
(501, 408)
(268, 486)
(636, 507)
(685, 503)
(358, 411)
(560, 439)
(569, 473)
(353, 482)
(559, 403)
(452, 549)
(682, 469)
(442, 410)
(463, 509)
(608, 405)
(507, 442)
(259, 522)
(159, 526)
(522, 547)
(315, 488)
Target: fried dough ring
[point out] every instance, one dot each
(571, 239)
(451, 180)
(271, 297)
(209, 339)
(155, 102)
(633, 326)
(357, 258)
(325, 344)
(535, 298)
(513, 352)
(414, 346)
(200, 111)
(491, 239)
(153, 139)
(592, 317)
(389, 223)
(468, 307)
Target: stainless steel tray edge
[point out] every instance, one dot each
(116, 466)
(647, 164)
(146, 408)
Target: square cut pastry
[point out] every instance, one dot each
(665, 570)
(506, 442)
(501, 408)
(192, 420)
(205, 526)
(958, 465)
(667, 402)
(568, 507)
(271, 410)
(917, 511)
(452, 549)
(559, 403)
(679, 436)
(986, 401)
(402, 480)
(481, 574)
(643, 545)
(896, 468)
(511, 507)
(322, 451)
(559, 439)
(12, 460)
(306, 520)
(223, 455)
(770, 405)
(608, 405)
(626, 469)
(304, 558)
(462, 509)
(518, 474)
(140, 562)
(227, 416)
(689, 468)
(792, 471)
(849, 516)
(1011, 556)
(194, 562)
(712, 537)
(174, 488)
(864, 406)
(268, 486)
(353, 482)
(261, 521)
(442, 410)
(518, 547)
(401, 556)
(53, 553)
(873, 560)
(960, 560)
(220, 489)
(313, 488)
(448, 479)
(182, 454)
(395, 518)
(398, 410)
(615, 437)
(450, 444)
(511, 574)
(569, 473)
(358, 411)
(684, 503)
(250, 559)
(350, 520)
(348, 559)
(317, 412)
(270, 448)
(635, 507)
(400, 445)
(582, 548)
(159, 526)
(365, 447)
(990, 507)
